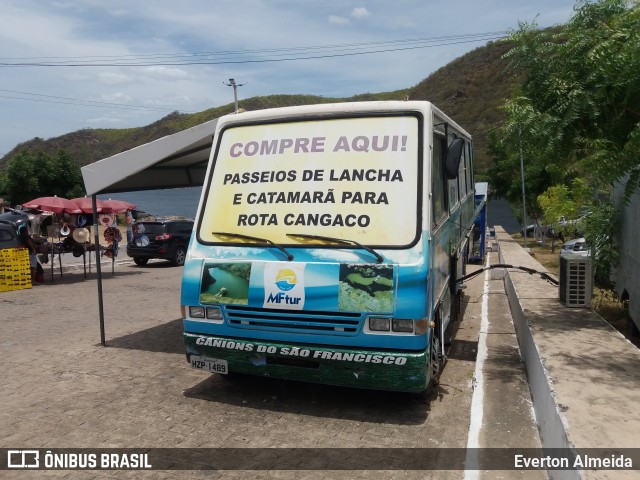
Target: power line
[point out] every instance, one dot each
(79, 102)
(269, 50)
(211, 58)
(276, 54)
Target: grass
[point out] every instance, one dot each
(605, 301)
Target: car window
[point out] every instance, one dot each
(152, 228)
(6, 235)
(184, 227)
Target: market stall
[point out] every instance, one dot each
(70, 228)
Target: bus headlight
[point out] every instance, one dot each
(210, 313)
(214, 313)
(402, 325)
(377, 324)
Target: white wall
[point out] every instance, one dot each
(627, 274)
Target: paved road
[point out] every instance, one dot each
(61, 388)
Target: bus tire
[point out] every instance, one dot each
(435, 361)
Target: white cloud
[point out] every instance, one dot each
(357, 13)
(336, 20)
(119, 12)
(104, 120)
(166, 72)
(78, 77)
(117, 97)
(360, 12)
(169, 101)
(114, 78)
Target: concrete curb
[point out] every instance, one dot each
(552, 430)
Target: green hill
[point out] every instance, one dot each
(469, 89)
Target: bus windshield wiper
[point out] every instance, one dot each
(255, 239)
(339, 241)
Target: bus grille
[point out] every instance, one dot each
(335, 323)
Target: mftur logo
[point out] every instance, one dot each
(286, 279)
(284, 286)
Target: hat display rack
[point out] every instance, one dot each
(77, 228)
(71, 225)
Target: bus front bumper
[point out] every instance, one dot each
(376, 369)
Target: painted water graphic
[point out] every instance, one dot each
(226, 283)
(367, 288)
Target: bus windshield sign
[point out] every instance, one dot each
(353, 178)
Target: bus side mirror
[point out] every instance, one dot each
(454, 154)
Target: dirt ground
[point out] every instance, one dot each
(62, 389)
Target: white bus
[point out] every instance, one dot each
(327, 244)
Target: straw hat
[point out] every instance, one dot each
(81, 235)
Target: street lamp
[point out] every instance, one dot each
(232, 83)
(524, 204)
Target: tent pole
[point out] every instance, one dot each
(96, 238)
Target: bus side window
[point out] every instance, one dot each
(439, 206)
(453, 192)
(462, 174)
(452, 184)
(468, 166)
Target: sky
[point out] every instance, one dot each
(67, 65)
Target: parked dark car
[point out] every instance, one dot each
(10, 222)
(17, 219)
(166, 239)
(546, 230)
(8, 236)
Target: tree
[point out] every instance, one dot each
(599, 229)
(577, 113)
(561, 202)
(578, 110)
(31, 175)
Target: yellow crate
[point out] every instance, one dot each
(15, 269)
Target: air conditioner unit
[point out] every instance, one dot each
(576, 281)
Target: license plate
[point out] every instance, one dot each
(214, 365)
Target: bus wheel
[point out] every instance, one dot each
(435, 359)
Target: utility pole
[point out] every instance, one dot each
(232, 83)
(524, 205)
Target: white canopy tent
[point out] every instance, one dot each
(175, 161)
